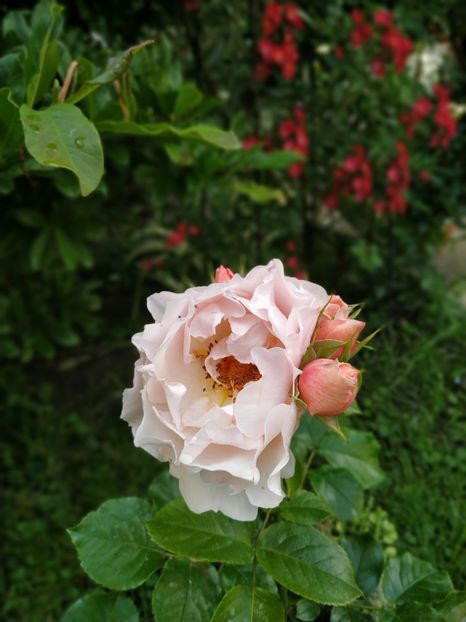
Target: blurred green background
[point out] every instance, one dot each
(322, 139)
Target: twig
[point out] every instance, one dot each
(67, 83)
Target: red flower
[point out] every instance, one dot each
(272, 18)
(287, 128)
(194, 230)
(378, 67)
(177, 236)
(250, 141)
(378, 207)
(398, 46)
(339, 52)
(383, 18)
(424, 176)
(292, 262)
(293, 16)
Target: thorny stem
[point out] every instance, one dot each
(67, 83)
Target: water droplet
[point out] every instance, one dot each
(79, 142)
(52, 147)
(34, 127)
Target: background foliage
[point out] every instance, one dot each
(166, 122)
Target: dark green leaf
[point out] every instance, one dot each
(118, 66)
(185, 592)
(349, 614)
(188, 99)
(304, 508)
(453, 608)
(340, 490)
(306, 610)
(248, 604)
(408, 578)
(62, 136)
(101, 607)
(359, 454)
(113, 546)
(207, 537)
(366, 556)
(308, 563)
(233, 575)
(11, 133)
(164, 488)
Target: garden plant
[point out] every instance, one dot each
(246, 168)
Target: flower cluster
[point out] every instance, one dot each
(398, 180)
(419, 111)
(392, 46)
(446, 123)
(278, 43)
(179, 234)
(294, 137)
(217, 379)
(353, 178)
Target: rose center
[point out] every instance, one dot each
(233, 374)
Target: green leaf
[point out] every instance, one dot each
(113, 546)
(259, 193)
(245, 603)
(206, 537)
(418, 611)
(366, 556)
(340, 490)
(102, 607)
(39, 248)
(185, 592)
(43, 52)
(164, 488)
(408, 578)
(304, 508)
(11, 133)
(200, 133)
(62, 136)
(306, 610)
(256, 159)
(348, 614)
(233, 575)
(117, 67)
(188, 99)
(308, 563)
(453, 608)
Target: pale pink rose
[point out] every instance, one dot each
(346, 331)
(327, 386)
(213, 387)
(223, 274)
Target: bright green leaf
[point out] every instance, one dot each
(185, 592)
(304, 508)
(201, 133)
(259, 193)
(206, 537)
(366, 556)
(113, 546)
(248, 604)
(102, 607)
(233, 575)
(62, 136)
(408, 578)
(340, 490)
(308, 563)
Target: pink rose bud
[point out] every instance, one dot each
(336, 309)
(222, 274)
(346, 331)
(327, 386)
